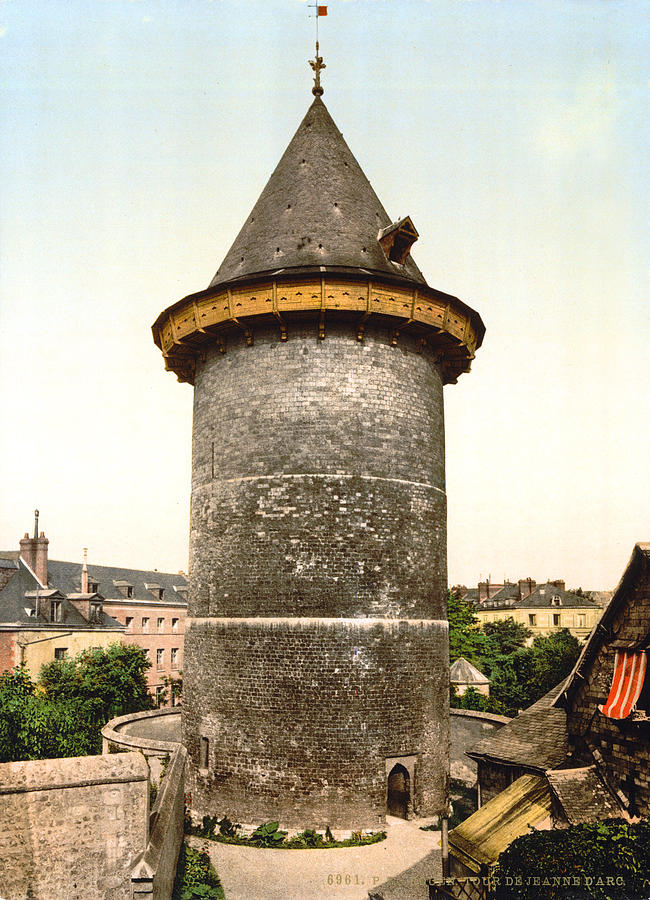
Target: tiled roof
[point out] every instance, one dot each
(20, 594)
(317, 209)
(66, 576)
(507, 596)
(582, 795)
(463, 672)
(542, 598)
(536, 739)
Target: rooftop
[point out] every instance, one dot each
(317, 209)
(535, 740)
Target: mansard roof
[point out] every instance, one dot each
(110, 579)
(317, 210)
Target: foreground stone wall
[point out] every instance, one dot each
(71, 828)
(153, 874)
(466, 727)
(300, 715)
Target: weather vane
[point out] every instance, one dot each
(317, 64)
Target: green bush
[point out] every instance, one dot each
(196, 878)
(609, 859)
(267, 835)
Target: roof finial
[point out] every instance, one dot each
(317, 64)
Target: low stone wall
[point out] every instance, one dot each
(72, 827)
(155, 732)
(467, 726)
(153, 874)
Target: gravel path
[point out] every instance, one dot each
(248, 873)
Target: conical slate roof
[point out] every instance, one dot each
(317, 210)
(463, 672)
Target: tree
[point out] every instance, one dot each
(554, 656)
(465, 636)
(506, 636)
(63, 712)
(108, 681)
(472, 699)
(510, 680)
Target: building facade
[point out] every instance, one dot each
(316, 673)
(150, 606)
(542, 608)
(587, 742)
(50, 609)
(39, 622)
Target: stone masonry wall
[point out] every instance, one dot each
(318, 479)
(300, 715)
(467, 727)
(624, 745)
(318, 505)
(71, 828)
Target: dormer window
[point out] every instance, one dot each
(556, 600)
(95, 612)
(93, 586)
(157, 590)
(56, 611)
(125, 588)
(397, 239)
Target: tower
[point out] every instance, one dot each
(316, 656)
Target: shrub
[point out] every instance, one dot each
(267, 835)
(196, 877)
(609, 859)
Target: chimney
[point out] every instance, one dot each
(559, 584)
(84, 573)
(526, 587)
(34, 552)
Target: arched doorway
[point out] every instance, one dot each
(399, 791)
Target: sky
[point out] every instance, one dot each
(135, 137)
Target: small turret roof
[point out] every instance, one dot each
(463, 672)
(317, 210)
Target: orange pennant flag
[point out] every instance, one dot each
(321, 10)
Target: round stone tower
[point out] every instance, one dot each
(316, 669)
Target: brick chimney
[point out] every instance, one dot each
(526, 587)
(34, 552)
(488, 589)
(559, 584)
(84, 573)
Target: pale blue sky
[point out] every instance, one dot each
(135, 136)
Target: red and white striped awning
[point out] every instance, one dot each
(629, 672)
